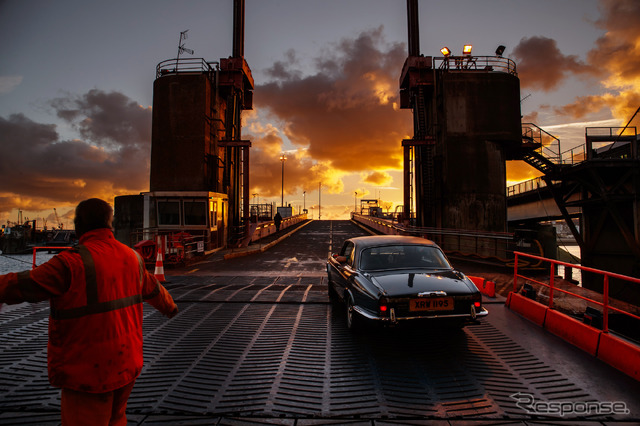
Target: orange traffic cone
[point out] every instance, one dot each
(159, 272)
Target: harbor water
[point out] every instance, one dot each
(574, 250)
(22, 262)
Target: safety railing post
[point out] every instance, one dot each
(515, 272)
(552, 275)
(605, 306)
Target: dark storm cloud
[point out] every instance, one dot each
(345, 113)
(283, 70)
(541, 64)
(106, 118)
(38, 169)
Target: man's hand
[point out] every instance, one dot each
(174, 312)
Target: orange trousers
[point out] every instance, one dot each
(89, 409)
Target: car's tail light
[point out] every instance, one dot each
(477, 301)
(383, 306)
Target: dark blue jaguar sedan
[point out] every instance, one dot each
(391, 279)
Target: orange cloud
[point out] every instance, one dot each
(341, 119)
(585, 105)
(614, 60)
(345, 115)
(301, 172)
(618, 50)
(378, 178)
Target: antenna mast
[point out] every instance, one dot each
(181, 48)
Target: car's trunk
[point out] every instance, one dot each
(402, 283)
(426, 294)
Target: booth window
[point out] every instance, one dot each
(168, 213)
(195, 213)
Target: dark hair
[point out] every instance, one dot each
(91, 214)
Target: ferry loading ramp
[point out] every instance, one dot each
(257, 342)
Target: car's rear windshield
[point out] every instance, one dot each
(402, 257)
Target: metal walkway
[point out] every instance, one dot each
(258, 347)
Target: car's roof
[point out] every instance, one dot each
(382, 240)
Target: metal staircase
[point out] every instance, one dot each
(540, 149)
(539, 161)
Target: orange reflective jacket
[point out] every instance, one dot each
(95, 326)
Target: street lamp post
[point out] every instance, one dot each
(283, 158)
(355, 202)
(304, 200)
(319, 200)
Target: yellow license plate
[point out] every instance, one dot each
(431, 304)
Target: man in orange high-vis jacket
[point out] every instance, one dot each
(95, 291)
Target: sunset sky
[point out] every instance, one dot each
(76, 88)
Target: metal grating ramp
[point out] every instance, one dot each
(266, 349)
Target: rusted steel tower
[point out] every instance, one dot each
(466, 116)
(237, 82)
(197, 144)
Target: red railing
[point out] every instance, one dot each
(35, 249)
(605, 304)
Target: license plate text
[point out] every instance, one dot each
(431, 304)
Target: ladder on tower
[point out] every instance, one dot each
(426, 152)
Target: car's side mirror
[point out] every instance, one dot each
(340, 259)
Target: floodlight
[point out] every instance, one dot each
(500, 50)
(467, 49)
(445, 51)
